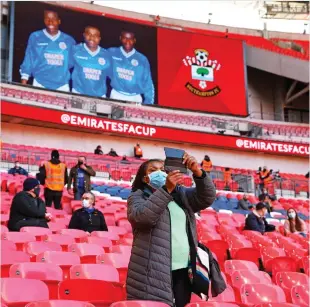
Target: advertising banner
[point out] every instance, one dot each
(92, 123)
(89, 54)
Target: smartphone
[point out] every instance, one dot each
(174, 160)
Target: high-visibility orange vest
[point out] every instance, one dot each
(138, 151)
(55, 176)
(264, 174)
(206, 165)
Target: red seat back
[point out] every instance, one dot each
(94, 271)
(60, 303)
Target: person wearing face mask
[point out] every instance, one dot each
(294, 224)
(88, 218)
(256, 220)
(162, 215)
(206, 164)
(80, 178)
(28, 209)
(17, 170)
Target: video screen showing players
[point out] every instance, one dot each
(65, 50)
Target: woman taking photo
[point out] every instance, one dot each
(294, 224)
(162, 215)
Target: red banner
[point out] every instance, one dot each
(93, 123)
(199, 72)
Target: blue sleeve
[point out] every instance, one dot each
(26, 67)
(11, 171)
(149, 92)
(71, 52)
(24, 172)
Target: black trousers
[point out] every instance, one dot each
(182, 289)
(53, 197)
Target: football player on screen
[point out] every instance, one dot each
(90, 65)
(47, 56)
(130, 75)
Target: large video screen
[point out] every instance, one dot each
(62, 49)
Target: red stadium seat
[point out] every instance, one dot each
(60, 303)
(122, 249)
(100, 292)
(211, 304)
(261, 293)
(282, 264)
(105, 234)
(105, 243)
(3, 229)
(29, 290)
(249, 254)
(7, 245)
(233, 265)
(269, 253)
(139, 304)
(86, 251)
(64, 259)
(305, 264)
(276, 305)
(120, 231)
(38, 232)
(227, 296)
(19, 238)
(80, 236)
(35, 248)
(50, 273)
(301, 296)
(288, 280)
(94, 271)
(219, 248)
(63, 240)
(119, 261)
(9, 257)
(242, 277)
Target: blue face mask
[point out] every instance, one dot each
(157, 179)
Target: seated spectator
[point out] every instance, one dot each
(256, 220)
(294, 224)
(206, 164)
(28, 209)
(112, 153)
(88, 218)
(125, 160)
(243, 203)
(138, 151)
(17, 170)
(98, 150)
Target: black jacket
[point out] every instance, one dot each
(83, 220)
(42, 172)
(255, 223)
(26, 211)
(98, 152)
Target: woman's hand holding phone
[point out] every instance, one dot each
(191, 163)
(173, 178)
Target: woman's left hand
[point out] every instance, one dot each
(191, 163)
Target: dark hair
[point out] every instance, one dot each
(98, 146)
(16, 162)
(51, 11)
(130, 32)
(261, 206)
(297, 226)
(91, 27)
(138, 183)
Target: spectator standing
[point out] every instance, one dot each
(54, 176)
(79, 177)
(294, 224)
(98, 150)
(227, 176)
(112, 153)
(138, 153)
(162, 215)
(256, 220)
(88, 218)
(206, 164)
(243, 203)
(265, 177)
(28, 209)
(17, 170)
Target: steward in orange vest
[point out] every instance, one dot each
(138, 153)
(54, 175)
(206, 164)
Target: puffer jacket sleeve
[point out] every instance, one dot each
(144, 213)
(203, 195)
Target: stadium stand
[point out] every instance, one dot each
(183, 120)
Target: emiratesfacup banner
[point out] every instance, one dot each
(122, 128)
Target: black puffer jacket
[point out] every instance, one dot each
(149, 273)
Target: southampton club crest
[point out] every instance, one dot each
(203, 70)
